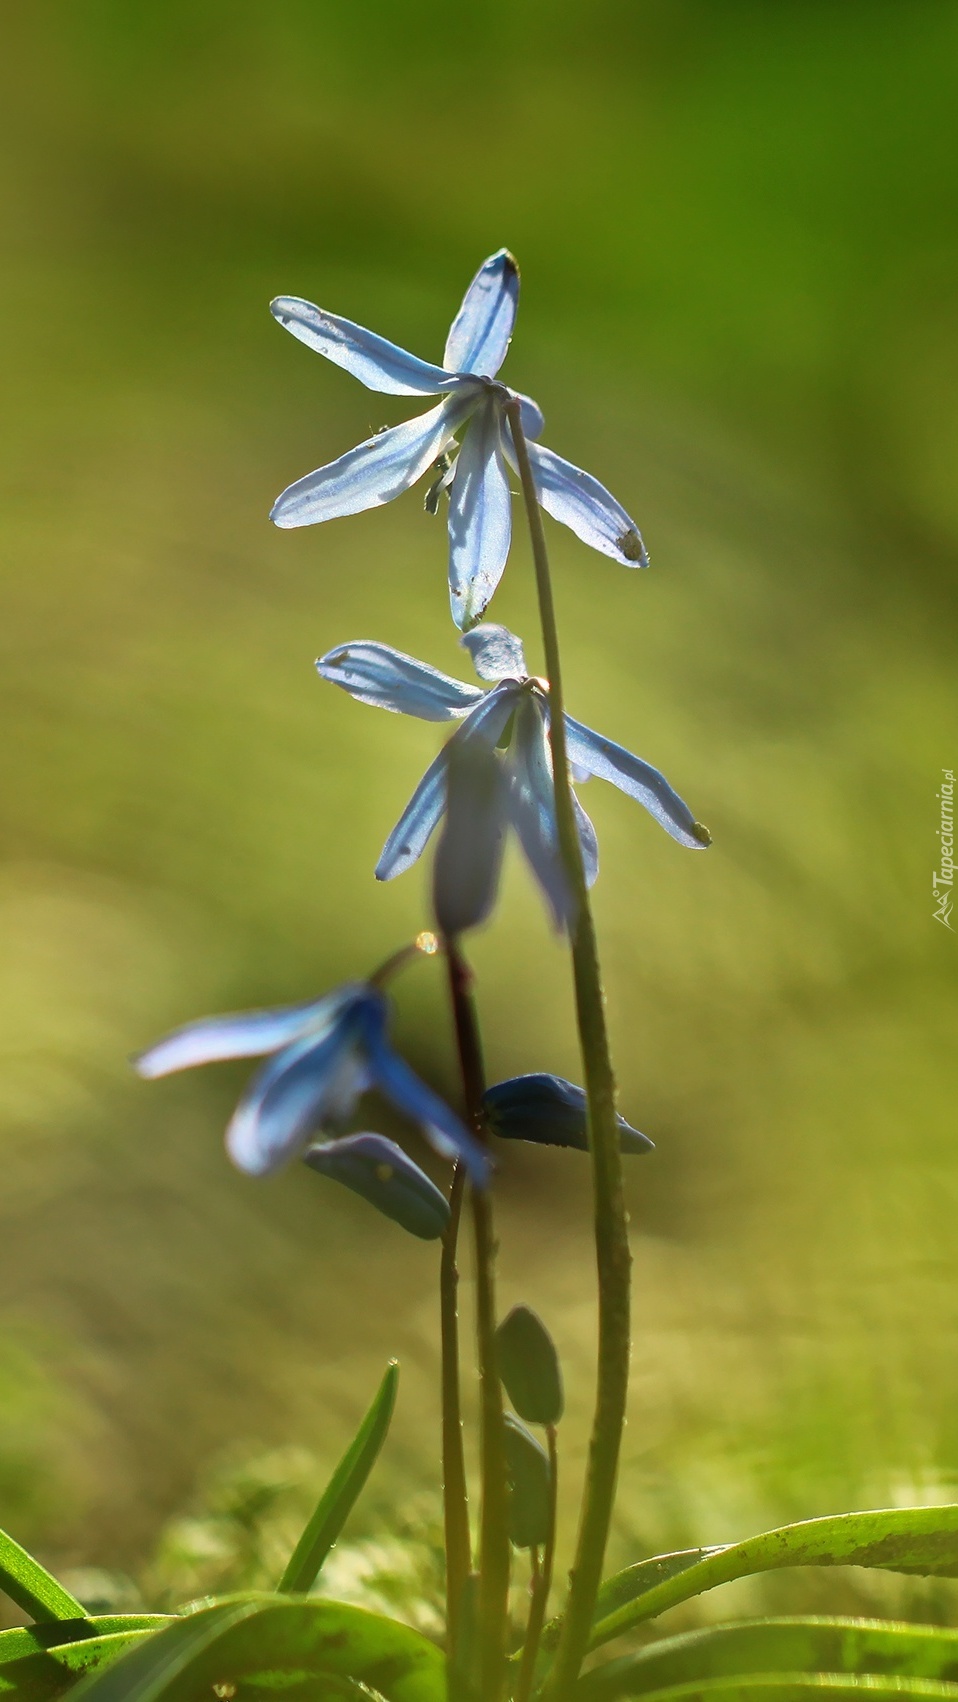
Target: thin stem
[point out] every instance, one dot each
(494, 1552)
(613, 1258)
(541, 1581)
(454, 1490)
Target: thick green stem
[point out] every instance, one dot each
(541, 1582)
(494, 1551)
(455, 1496)
(613, 1258)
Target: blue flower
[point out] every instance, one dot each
(551, 1111)
(475, 472)
(325, 1054)
(510, 717)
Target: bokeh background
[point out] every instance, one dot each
(737, 229)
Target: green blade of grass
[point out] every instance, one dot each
(32, 1587)
(341, 1494)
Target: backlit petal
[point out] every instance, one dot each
(377, 363)
(376, 471)
(292, 1095)
(403, 1087)
(609, 761)
(479, 335)
(424, 809)
(480, 518)
(241, 1034)
(532, 808)
(579, 501)
(388, 679)
(496, 652)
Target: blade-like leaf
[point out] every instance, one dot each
(343, 1491)
(804, 1687)
(32, 1587)
(33, 1639)
(779, 1646)
(48, 1673)
(899, 1539)
(299, 1648)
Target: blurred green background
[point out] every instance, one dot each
(736, 223)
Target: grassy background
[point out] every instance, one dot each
(738, 243)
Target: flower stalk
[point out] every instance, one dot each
(494, 1551)
(613, 1257)
(454, 1490)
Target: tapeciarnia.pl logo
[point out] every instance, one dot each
(943, 881)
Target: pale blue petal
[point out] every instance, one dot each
(293, 1095)
(588, 843)
(388, 679)
(241, 1034)
(480, 518)
(579, 501)
(411, 833)
(378, 364)
(609, 761)
(376, 471)
(403, 1087)
(380, 1172)
(479, 336)
(496, 652)
(532, 809)
(469, 854)
(533, 423)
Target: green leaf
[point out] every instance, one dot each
(529, 1367)
(32, 1639)
(902, 1539)
(45, 1674)
(779, 1646)
(530, 1486)
(273, 1644)
(343, 1491)
(804, 1687)
(32, 1587)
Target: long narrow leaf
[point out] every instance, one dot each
(47, 1674)
(299, 1648)
(32, 1587)
(900, 1539)
(806, 1687)
(343, 1491)
(33, 1639)
(784, 1645)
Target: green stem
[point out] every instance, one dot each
(541, 1582)
(613, 1257)
(494, 1551)
(455, 1494)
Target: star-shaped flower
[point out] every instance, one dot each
(511, 718)
(476, 472)
(325, 1054)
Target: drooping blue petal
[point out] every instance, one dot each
(588, 843)
(392, 1075)
(468, 857)
(380, 1172)
(609, 761)
(532, 808)
(496, 652)
(298, 1090)
(579, 501)
(533, 423)
(479, 336)
(388, 679)
(480, 517)
(241, 1034)
(376, 471)
(551, 1111)
(377, 363)
(411, 833)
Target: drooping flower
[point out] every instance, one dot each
(475, 472)
(325, 1054)
(510, 717)
(550, 1111)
